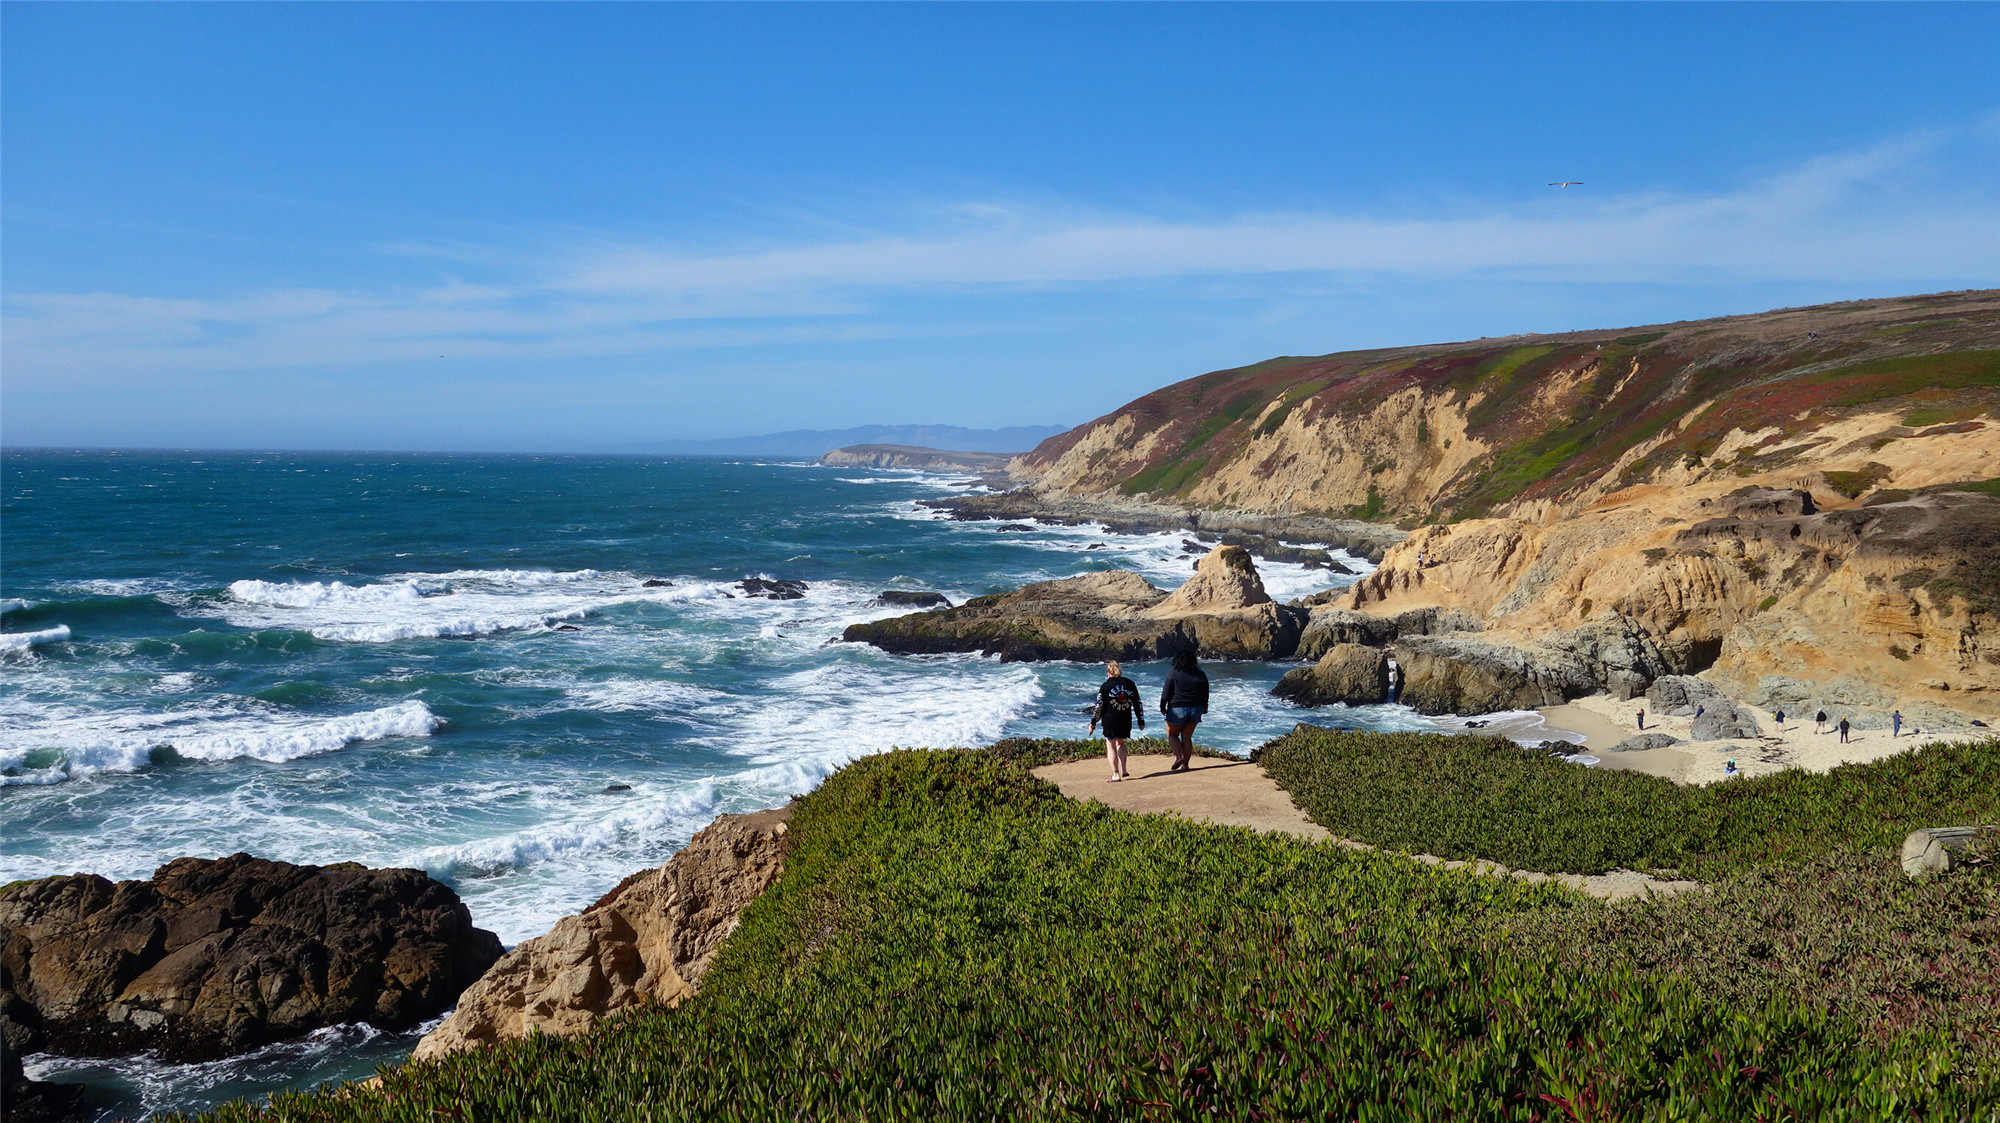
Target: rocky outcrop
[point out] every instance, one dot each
(1332, 626)
(1348, 673)
(1456, 675)
(212, 957)
(649, 940)
(1252, 529)
(1224, 580)
(1222, 612)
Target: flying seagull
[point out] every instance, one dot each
(1568, 183)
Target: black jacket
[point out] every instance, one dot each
(1101, 712)
(1184, 688)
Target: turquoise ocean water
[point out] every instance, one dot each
(444, 662)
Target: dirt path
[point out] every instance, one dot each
(1235, 793)
(1232, 793)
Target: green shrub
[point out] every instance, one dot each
(1479, 797)
(952, 940)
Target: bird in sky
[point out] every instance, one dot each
(1568, 183)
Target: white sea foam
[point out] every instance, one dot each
(15, 604)
(626, 695)
(85, 742)
(427, 605)
(15, 643)
(315, 594)
(675, 813)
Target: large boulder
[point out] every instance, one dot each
(1644, 742)
(1724, 721)
(216, 956)
(650, 939)
(1348, 673)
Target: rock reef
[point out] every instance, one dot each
(1221, 612)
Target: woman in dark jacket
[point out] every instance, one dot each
(1183, 699)
(1117, 705)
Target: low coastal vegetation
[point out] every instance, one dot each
(1483, 797)
(953, 939)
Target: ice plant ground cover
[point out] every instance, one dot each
(954, 939)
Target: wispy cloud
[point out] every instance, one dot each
(1890, 215)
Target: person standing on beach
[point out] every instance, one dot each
(1819, 722)
(1117, 706)
(1896, 724)
(1843, 731)
(1642, 721)
(1183, 699)
(1780, 715)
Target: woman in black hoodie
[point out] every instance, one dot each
(1183, 699)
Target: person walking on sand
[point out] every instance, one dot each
(1183, 699)
(1117, 706)
(1895, 725)
(1780, 716)
(1819, 722)
(1843, 731)
(1642, 721)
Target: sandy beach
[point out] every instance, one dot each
(1603, 721)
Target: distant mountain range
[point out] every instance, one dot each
(812, 443)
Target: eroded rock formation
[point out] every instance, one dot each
(650, 939)
(212, 957)
(1222, 612)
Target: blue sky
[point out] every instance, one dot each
(576, 226)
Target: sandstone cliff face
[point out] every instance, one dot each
(1804, 504)
(212, 957)
(648, 940)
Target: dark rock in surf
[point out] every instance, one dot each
(908, 598)
(214, 957)
(772, 590)
(656, 583)
(1015, 528)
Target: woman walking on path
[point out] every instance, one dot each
(1117, 705)
(1183, 699)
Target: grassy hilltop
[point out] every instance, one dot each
(1453, 431)
(952, 938)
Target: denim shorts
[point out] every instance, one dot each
(1184, 715)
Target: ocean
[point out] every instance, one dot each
(447, 662)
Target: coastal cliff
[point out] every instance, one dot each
(1802, 502)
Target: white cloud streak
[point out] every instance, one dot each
(1886, 215)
